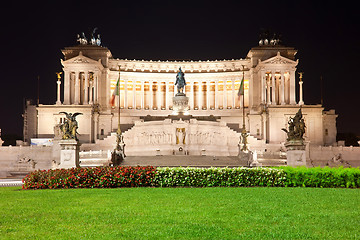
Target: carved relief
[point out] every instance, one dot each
(80, 60)
(279, 60)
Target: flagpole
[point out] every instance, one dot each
(243, 101)
(118, 154)
(243, 132)
(119, 130)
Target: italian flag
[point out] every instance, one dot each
(115, 93)
(241, 88)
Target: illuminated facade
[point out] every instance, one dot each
(147, 87)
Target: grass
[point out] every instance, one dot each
(180, 213)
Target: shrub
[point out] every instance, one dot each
(219, 177)
(322, 177)
(99, 177)
(110, 177)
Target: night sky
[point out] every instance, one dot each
(326, 36)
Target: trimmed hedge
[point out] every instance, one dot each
(219, 177)
(111, 177)
(322, 177)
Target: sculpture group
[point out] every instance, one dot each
(296, 128)
(69, 127)
(268, 38)
(81, 39)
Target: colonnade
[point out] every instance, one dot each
(278, 87)
(157, 94)
(81, 87)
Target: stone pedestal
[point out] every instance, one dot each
(69, 154)
(250, 158)
(180, 104)
(295, 154)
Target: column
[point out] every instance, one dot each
(265, 127)
(96, 87)
(91, 128)
(208, 94)
(233, 93)
(96, 125)
(263, 87)
(151, 94)
(72, 87)
(58, 101)
(292, 87)
(67, 87)
(216, 94)
(301, 102)
(200, 97)
(191, 95)
(167, 94)
(125, 96)
(224, 95)
(282, 89)
(142, 94)
(158, 95)
(91, 90)
(134, 94)
(273, 98)
(86, 90)
(268, 81)
(77, 88)
(105, 96)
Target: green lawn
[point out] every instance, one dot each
(180, 213)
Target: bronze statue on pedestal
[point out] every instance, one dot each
(180, 81)
(69, 127)
(296, 128)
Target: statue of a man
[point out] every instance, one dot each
(180, 81)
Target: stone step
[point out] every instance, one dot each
(11, 182)
(272, 162)
(235, 127)
(94, 162)
(18, 174)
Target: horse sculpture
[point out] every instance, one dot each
(180, 81)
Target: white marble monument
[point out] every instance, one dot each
(147, 88)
